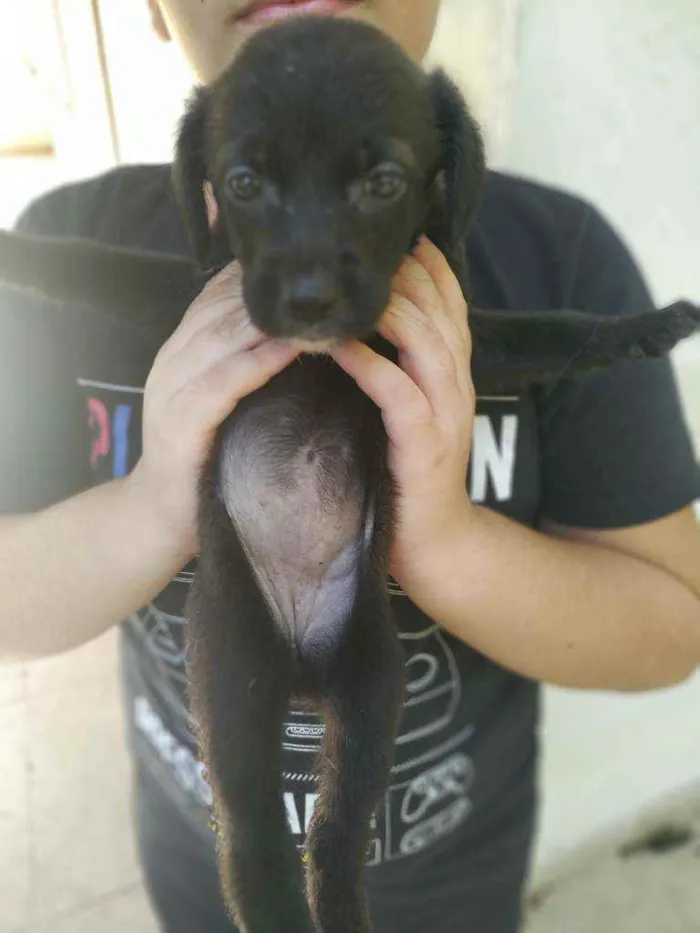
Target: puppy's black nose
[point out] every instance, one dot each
(310, 294)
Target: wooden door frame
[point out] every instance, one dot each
(85, 130)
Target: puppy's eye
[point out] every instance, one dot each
(244, 184)
(385, 183)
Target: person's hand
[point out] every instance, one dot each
(214, 358)
(427, 404)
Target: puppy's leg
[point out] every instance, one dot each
(240, 675)
(365, 688)
(517, 348)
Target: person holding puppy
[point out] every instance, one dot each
(571, 556)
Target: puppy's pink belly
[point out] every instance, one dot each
(297, 509)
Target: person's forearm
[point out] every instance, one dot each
(567, 613)
(77, 568)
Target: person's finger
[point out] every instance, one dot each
(206, 348)
(214, 392)
(174, 377)
(225, 286)
(426, 358)
(445, 281)
(426, 279)
(417, 288)
(414, 283)
(218, 310)
(405, 410)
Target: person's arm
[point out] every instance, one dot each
(577, 613)
(72, 569)
(616, 609)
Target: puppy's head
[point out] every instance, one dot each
(328, 152)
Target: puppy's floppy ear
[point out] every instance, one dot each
(458, 183)
(190, 174)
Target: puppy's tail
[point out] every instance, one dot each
(514, 349)
(148, 290)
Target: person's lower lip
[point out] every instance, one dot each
(279, 11)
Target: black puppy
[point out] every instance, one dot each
(329, 153)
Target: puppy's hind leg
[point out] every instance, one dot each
(240, 677)
(363, 702)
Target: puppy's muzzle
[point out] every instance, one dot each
(308, 298)
(329, 298)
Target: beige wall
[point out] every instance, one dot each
(476, 43)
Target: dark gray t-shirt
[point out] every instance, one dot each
(606, 451)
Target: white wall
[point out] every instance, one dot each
(607, 104)
(475, 42)
(59, 38)
(149, 80)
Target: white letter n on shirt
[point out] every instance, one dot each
(493, 459)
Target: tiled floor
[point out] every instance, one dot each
(642, 891)
(67, 860)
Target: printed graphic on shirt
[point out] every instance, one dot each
(114, 419)
(429, 791)
(492, 464)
